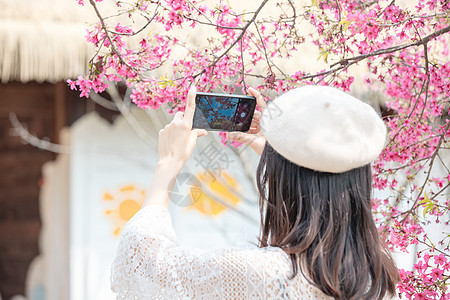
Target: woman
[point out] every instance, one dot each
(318, 239)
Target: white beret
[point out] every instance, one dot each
(323, 129)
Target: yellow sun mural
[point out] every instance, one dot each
(214, 195)
(218, 193)
(122, 205)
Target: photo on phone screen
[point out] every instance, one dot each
(223, 112)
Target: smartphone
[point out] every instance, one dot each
(223, 112)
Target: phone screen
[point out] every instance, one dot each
(223, 112)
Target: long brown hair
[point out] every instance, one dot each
(324, 222)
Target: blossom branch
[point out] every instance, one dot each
(349, 61)
(244, 29)
(432, 159)
(213, 24)
(269, 61)
(199, 11)
(105, 29)
(149, 21)
(427, 83)
(243, 66)
(412, 18)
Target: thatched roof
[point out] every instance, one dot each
(44, 40)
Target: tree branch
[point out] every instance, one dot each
(25, 135)
(212, 24)
(244, 29)
(143, 27)
(131, 120)
(352, 60)
(102, 22)
(432, 157)
(294, 17)
(103, 102)
(243, 67)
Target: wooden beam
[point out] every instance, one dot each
(60, 108)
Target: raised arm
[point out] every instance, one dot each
(175, 145)
(151, 265)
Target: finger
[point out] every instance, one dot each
(178, 116)
(241, 137)
(195, 133)
(255, 121)
(259, 99)
(257, 115)
(190, 106)
(254, 130)
(200, 132)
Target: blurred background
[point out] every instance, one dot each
(74, 170)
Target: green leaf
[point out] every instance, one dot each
(165, 81)
(324, 54)
(424, 201)
(315, 2)
(427, 209)
(429, 204)
(345, 24)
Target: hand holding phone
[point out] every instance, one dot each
(254, 137)
(223, 112)
(177, 139)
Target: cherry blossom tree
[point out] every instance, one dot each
(404, 48)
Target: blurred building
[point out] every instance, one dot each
(73, 172)
(41, 45)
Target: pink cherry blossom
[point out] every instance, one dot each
(227, 55)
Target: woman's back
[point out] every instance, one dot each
(318, 238)
(151, 265)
